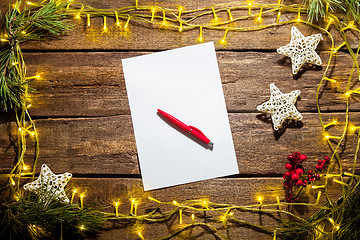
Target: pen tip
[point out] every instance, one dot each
(211, 143)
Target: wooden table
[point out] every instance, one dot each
(84, 123)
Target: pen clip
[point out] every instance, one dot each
(197, 130)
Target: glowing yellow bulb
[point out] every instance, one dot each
(88, 20)
(12, 182)
(4, 40)
(231, 214)
(77, 16)
(249, 3)
(37, 76)
(230, 15)
(29, 3)
(223, 218)
(351, 24)
(298, 19)
(75, 190)
(116, 204)
(180, 27)
(192, 217)
(20, 129)
(23, 32)
(25, 167)
(326, 136)
(347, 94)
(330, 79)
(181, 8)
(82, 196)
(16, 197)
(216, 19)
(223, 42)
(82, 227)
(32, 133)
(29, 106)
(105, 24)
(174, 202)
(259, 19)
(330, 20)
(140, 235)
(14, 63)
(127, 23)
(352, 128)
(260, 199)
(337, 227)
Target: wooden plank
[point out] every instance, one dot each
(106, 145)
(148, 37)
(243, 191)
(92, 84)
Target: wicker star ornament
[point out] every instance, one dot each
(281, 106)
(301, 49)
(49, 186)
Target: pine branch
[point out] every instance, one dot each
(317, 9)
(28, 218)
(35, 22)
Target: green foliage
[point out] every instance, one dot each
(27, 218)
(317, 8)
(33, 22)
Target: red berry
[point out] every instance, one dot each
(320, 161)
(310, 176)
(290, 157)
(310, 171)
(317, 176)
(305, 181)
(323, 161)
(287, 174)
(313, 179)
(295, 177)
(288, 166)
(302, 157)
(319, 167)
(299, 182)
(299, 171)
(327, 158)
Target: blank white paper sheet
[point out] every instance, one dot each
(185, 83)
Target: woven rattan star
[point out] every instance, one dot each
(301, 49)
(281, 106)
(49, 186)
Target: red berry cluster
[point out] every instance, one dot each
(295, 170)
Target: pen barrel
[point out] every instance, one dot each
(174, 120)
(200, 136)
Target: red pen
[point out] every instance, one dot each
(190, 129)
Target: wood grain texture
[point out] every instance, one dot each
(84, 123)
(152, 38)
(106, 145)
(231, 191)
(92, 84)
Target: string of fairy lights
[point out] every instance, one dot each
(191, 212)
